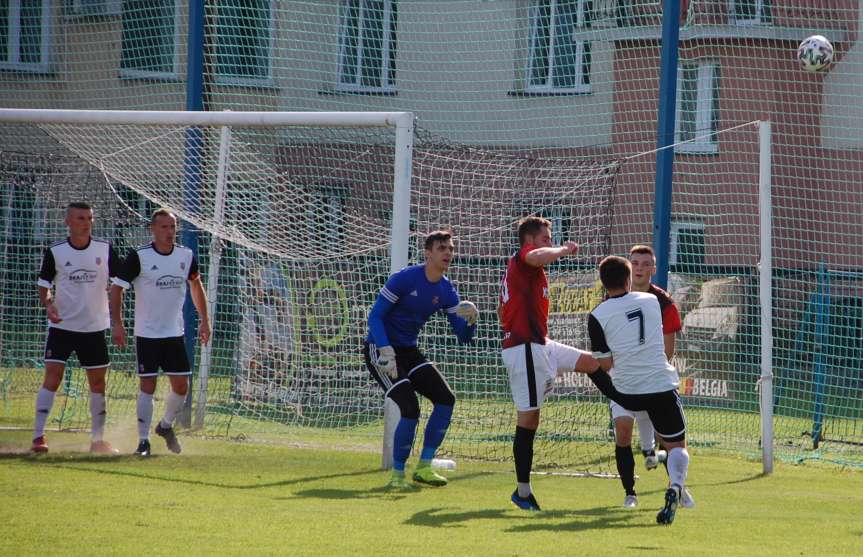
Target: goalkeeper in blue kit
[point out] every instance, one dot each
(404, 304)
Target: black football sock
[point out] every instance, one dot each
(626, 468)
(522, 450)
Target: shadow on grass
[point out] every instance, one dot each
(598, 518)
(751, 478)
(378, 492)
(69, 463)
(61, 457)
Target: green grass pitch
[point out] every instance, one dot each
(229, 498)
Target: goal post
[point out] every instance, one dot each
(399, 259)
(213, 271)
(765, 292)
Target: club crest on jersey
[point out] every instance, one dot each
(98, 261)
(182, 265)
(435, 300)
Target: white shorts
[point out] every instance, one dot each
(618, 411)
(645, 426)
(531, 378)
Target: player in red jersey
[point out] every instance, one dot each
(532, 359)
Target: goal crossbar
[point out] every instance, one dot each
(190, 118)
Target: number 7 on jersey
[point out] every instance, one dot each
(632, 316)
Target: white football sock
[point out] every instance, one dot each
(98, 415)
(44, 403)
(523, 489)
(678, 466)
(645, 431)
(145, 414)
(173, 405)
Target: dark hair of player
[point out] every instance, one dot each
(79, 205)
(642, 249)
(528, 226)
(613, 272)
(437, 236)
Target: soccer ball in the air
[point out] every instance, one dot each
(815, 53)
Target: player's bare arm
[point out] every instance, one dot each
(546, 255)
(118, 331)
(199, 298)
(606, 363)
(669, 345)
(48, 303)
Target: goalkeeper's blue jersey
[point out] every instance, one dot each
(405, 304)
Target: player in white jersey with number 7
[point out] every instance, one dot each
(159, 272)
(643, 263)
(627, 339)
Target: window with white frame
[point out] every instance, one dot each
(244, 39)
(687, 247)
(750, 12)
(150, 45)
(367, 46)
(25, 35)
(697, 108)
(558, 61)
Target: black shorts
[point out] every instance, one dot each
(91, 348)
(408, 360)
(166, 353)
(665, 411)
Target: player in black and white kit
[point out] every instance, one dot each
(159, 273)
(78, 268)
(626, 337)
(643, 261)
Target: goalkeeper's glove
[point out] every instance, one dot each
(467, 311)
(386, 361)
